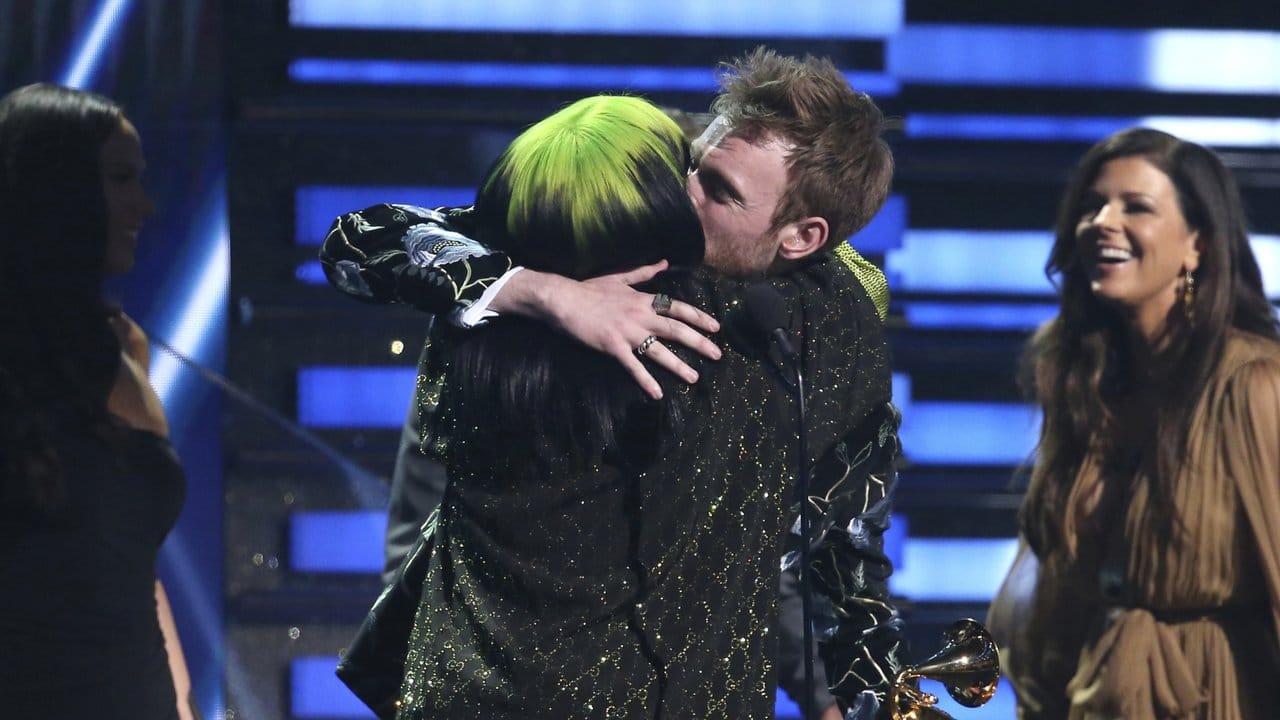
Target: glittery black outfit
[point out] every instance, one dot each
(644, 589)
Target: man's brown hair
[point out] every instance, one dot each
(838, 167)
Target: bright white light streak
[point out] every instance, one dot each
(84, 60)
(1214, 61)
(1215, 131)
(198, 311)
(1266, 248)
(953, 569)
(986, 261)
(1218, 131)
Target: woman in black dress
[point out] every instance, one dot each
(89, 485)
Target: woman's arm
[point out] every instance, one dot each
(177, 660)
(411, 255)
(424, 258)
(1251, 432)
(853, 490)
(133, 400)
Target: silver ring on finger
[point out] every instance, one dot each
(645, 344)
(662, 303)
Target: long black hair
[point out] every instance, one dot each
(59, 356)
(595, 188)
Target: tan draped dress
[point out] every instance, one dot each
(1193, 633)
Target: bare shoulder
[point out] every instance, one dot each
(133, 341)
(134, 401)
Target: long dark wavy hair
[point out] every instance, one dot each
(1080, 364)
(595, 188)
(59, 356)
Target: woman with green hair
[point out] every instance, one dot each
(597, 552)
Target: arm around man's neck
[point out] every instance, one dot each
(608, 315)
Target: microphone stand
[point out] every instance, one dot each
(792, 358)
(806, 522)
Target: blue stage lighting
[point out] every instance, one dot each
(85, 58)
(337, 541)
(706, 18)
(354, 397)
(1217, 131)
(936, 569)
(201, 309)
(636, 78)
(316, 693)
(933, 315)
(316, 206)
(885, 230)
(1200, 61)
(971, 261)
(967, 433)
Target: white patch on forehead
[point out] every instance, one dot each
(711, 137)
(720, 128)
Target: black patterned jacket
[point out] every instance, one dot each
(420, 257)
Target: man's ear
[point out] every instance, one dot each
(802, 238)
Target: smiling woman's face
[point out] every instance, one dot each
(1133, 239)
(127, 202)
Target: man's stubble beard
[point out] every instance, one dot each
(748, 260)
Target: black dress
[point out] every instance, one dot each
(77, 590)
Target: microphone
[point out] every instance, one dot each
(767, 314)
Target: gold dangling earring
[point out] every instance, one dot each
(1189, 297)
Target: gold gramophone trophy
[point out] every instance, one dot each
(967, 665)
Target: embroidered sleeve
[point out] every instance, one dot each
(407, 254)
(860, 634)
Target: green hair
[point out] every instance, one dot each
(593, 188)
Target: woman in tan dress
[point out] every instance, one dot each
(1148, 582)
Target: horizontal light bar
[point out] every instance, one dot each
(1201, 61)
(316, 693)
(1217, 131)
(976, 316)
(1266, 249)
(316, 206)
(1012, 127)
(1214, 61)
(1006, 262)
(354, 397)
(937, 569)
(885, 230)
(999, 262)
(967, 433)
(311, 273)
(540, 76)
(337, 541)
(711, 18)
